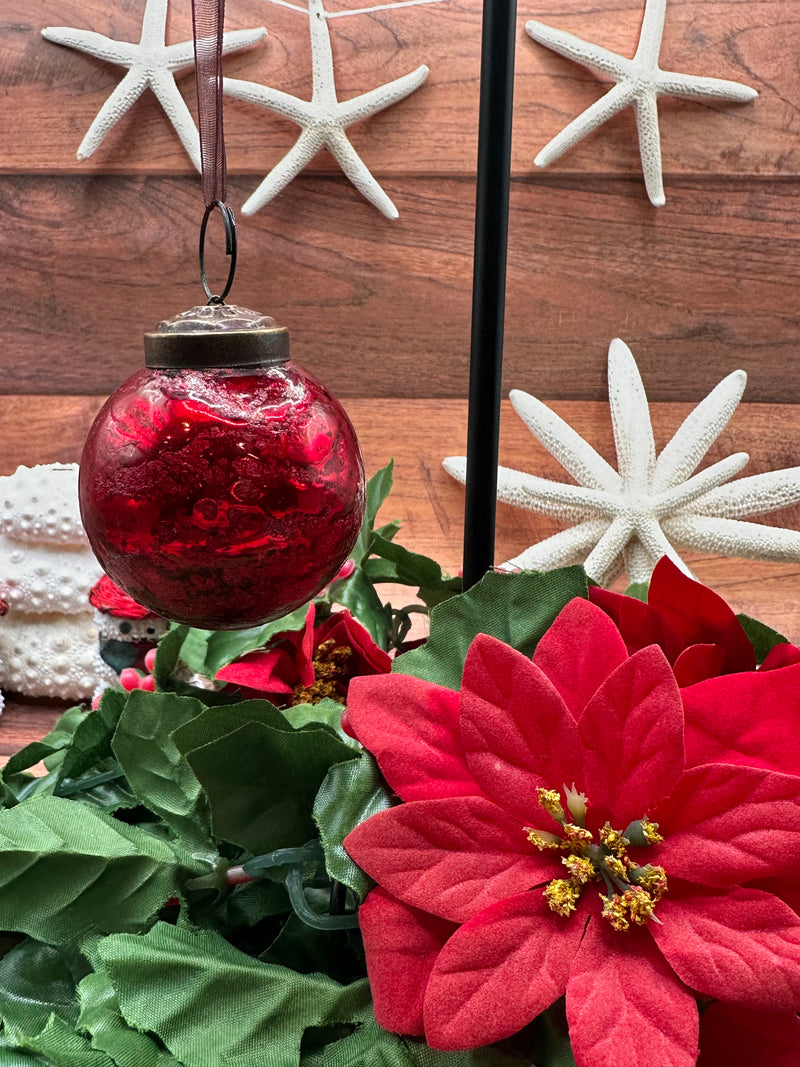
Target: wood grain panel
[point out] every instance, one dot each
(419, 434)
(53, 93)
(704, 286)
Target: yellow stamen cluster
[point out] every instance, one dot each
(634, 905)
(550, 800)
(632, 892)
(562, 896)
(331, 662)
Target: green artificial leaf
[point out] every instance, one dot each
(51, 748)
(10, 1056)
(491, 1056)
(337, 953)
(378, 488)
(100, 1017)
(91, 742)
(547, 1038)
(515, 608)
(358, 595)
(212, 1005)
(411, 568)
(104, 787)
(326, 712)
(168, 666)
(638, 590)
(216, 722)
(37, 981)
(194, 648)
(762, 637)
(357, 592)
(157, 771)
(261, 781)
(350, 793)
(225, 646)
(67, 870)
(251, 903)
(63, 1047)
(367, 1046)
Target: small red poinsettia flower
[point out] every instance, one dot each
(565, 832)
(694, 627)
(305, 666)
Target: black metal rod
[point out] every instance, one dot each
(489, 284)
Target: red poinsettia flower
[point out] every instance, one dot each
(566, 830)
(732, 1036)
(305, 666)
(694, 627)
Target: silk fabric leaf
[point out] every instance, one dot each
(261, 782)
(515, 608)
(37, 981)
(205, 984)
(158, 773)
(350, 793)
(67, 870)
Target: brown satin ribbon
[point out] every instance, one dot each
(208, 18)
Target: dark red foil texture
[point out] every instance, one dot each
(222, 498)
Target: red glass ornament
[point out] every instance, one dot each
(222, 497)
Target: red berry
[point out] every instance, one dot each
(130, 678)
(148, 683)
(150, 659)
(96, 701)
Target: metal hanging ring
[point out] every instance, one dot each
(229, 223)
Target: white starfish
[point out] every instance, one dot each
(323, 119)
(639, 83)
(150, 62)
(652, 505)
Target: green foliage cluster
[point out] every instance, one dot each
(128, 946)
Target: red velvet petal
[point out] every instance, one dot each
(699, 662)
(449, 857)
(699, 615)
(632, 736)
(787, 887)
(639, 624)
(264, 672)
(579, 651)
(499, 971)
(739, 945)
(518, 733)
(368, 658)
(751, 718)
(306, 646)
(626, 1006)
(726, 824)
(411, 727)
(401, 944)
(732, 1036)
(782, 655)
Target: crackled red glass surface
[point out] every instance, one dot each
(222, 498)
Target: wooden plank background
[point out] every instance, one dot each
(95, 253)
